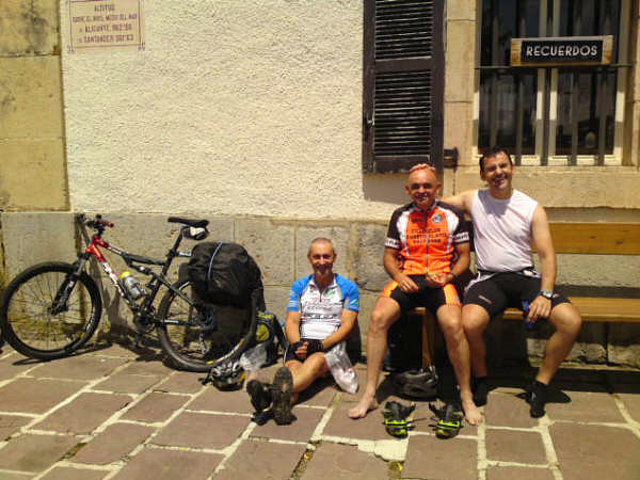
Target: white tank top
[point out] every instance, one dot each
(502, 231)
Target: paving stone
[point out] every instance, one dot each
(300, 430)
(632, 402)
(586, 407)
(181, 382)
(519, 473)
(29, 395)
(508, 411)
(79, 367)
(85, 413)
(15, 476)
(346, 462)
(594, 452)
(117, 350)
(126, 382)
(515, 446)
(213, 400)
(12, 365)
(260, 460)
(320, 394)
(113, 444)
(9, 424)
(156, 407)
(435, 459)
(73, 473)
(340, 425)
(162, 464)
(202, 430)
(34, 453)
(147, 367)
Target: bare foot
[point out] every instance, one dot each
(364, 406)
(471, 413)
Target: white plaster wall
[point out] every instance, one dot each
(234, 107)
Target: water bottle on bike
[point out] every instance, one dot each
(132, 285)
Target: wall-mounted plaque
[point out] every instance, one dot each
(95, 24)
(559, 51)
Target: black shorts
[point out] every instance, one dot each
(430, 298)
(504, 290)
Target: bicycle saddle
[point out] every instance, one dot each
(189, 222)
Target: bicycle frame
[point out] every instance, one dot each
(92, 249)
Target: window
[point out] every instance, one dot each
(403, 84)
(551, 115)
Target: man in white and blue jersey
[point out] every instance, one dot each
(322, 312)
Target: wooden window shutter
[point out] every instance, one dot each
(403, 84)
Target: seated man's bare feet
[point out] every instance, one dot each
(364, 406)
(472, 414)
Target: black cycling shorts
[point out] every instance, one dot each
(503, 290)
(431, 298)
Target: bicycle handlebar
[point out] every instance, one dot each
(98, 222)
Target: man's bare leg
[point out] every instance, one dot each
(384, 314)
(567, 322)
(450, 319)
(474, 322)
(305, 373)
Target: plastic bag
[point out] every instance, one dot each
(255, 357)
(341, 368)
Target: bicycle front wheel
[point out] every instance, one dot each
(37, 324)
(195, 339)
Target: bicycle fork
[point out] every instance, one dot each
(61, 300)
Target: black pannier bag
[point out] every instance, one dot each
(223, 273)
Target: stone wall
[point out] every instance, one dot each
(32, 165)
(280, 247)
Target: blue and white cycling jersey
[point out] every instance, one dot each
(322, 311)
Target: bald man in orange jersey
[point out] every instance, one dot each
(427, 247)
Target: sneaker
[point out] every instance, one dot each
(260, 395)
(536, 398)
(480, 390)
(449, 420)
(281, 390)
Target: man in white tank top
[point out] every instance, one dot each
(505, 224)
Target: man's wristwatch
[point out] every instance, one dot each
(548, 294)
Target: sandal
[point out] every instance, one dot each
(449, 420)
(395, 419)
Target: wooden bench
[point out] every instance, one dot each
(595, 303)
(613, 304)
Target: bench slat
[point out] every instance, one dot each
(597, 309)
(596, 238)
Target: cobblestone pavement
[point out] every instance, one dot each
(110, 414)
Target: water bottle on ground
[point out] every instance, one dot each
(341, 369)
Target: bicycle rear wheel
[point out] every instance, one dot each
(28, 318)
(193, 338)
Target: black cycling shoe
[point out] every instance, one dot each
(480, 390)
(536, 398)
(281, 390)
(260, 394)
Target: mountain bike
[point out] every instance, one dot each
(50, 310)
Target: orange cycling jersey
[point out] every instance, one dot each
(425, 240)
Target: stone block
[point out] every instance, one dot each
(591, 344)
(34, 453)
(30, 97)
(28, 27)
(260, 460)
(344, 462)
(157, 407)
(37, 237)
(74, 473)
(201, 430)
(624, 344)
(461, 10)
(32, 174)
(163, 464)
(369, 272)
(338, 235)
(510, 446)
(277, 299)
(28, 395)
(460, 66)
(600, 270)
(272, 246)
(113, 444)
(299, 431)
(588, 406)
(455, 458)
(458, 132)
(521, 473)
